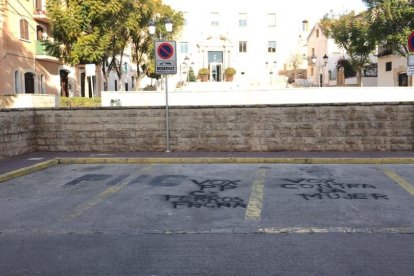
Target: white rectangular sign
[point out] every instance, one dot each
(410, 71)
(165, 58)
(90, 70)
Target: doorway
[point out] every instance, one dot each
(215, 64)
(64, 83)
(403, 79)
(29, 85)
(88, 85)
(216, 72)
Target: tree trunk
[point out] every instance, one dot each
(359, 77)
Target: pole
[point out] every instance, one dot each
(320, 80)
(167, 118)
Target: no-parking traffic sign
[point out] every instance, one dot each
(411, 42)
(165, 58)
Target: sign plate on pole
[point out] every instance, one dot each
(90, 70)
(411, 42)
(165, 58)
(410, 71)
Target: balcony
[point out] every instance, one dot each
(41, 15)
(42, 54)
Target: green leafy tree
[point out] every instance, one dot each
(142, 43)
(352, 33)
(90, 31)
(391, 23)
(100, 31)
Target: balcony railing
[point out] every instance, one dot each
(41, 15)
(42, 53)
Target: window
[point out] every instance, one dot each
(317, 33)
(39, 33)
(24, 29)
(132, 82)
(271, 47)
(116, 85)
(215, 20)
(242, 19)
(185, 17)
(271, 19)
(388, 66)
(242, 46)
(184, 47)
(17, 82)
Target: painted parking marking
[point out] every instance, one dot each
(115, 188)
(254, 208)
(400, 181)
(336, 230)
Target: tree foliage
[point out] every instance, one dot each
(351, 33)
(391, 22)
(99, 31)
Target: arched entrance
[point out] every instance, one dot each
(217, 50)
(29, 83)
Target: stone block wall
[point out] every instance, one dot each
(17, 132)
(337, 127)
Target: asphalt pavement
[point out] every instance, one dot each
(207, 214)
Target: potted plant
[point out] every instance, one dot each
(229, 73)
(203, 74)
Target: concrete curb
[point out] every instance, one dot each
(200, 160)
(27, 170)
(235, 160)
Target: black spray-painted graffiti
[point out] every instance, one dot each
(208, 195)
(330, 189)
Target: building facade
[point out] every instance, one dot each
(27, 68)
(245, 35)
(392, 71)
(328, 74)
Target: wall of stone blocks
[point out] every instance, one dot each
(338, 127)
(17, 132)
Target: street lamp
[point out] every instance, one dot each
(152, 30)
(314, 59)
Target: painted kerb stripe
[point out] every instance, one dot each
(400, 181)
(27, 170)
(201, 160)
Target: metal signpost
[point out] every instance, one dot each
(166, 64)
(410, 58)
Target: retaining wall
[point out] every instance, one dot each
(333, 127)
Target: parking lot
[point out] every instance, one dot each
(218, 200)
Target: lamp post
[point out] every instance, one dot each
(152, 30)
(320, 66)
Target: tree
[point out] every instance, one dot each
(391, 23)
(141, 42)
(90, 31)
(99, 32)
(352, 33)
(295, 61)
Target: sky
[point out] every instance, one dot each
(316, 9)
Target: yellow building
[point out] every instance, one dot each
(25, 66)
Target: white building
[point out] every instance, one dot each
(320, 46)
(249, 36)
(392, 70)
